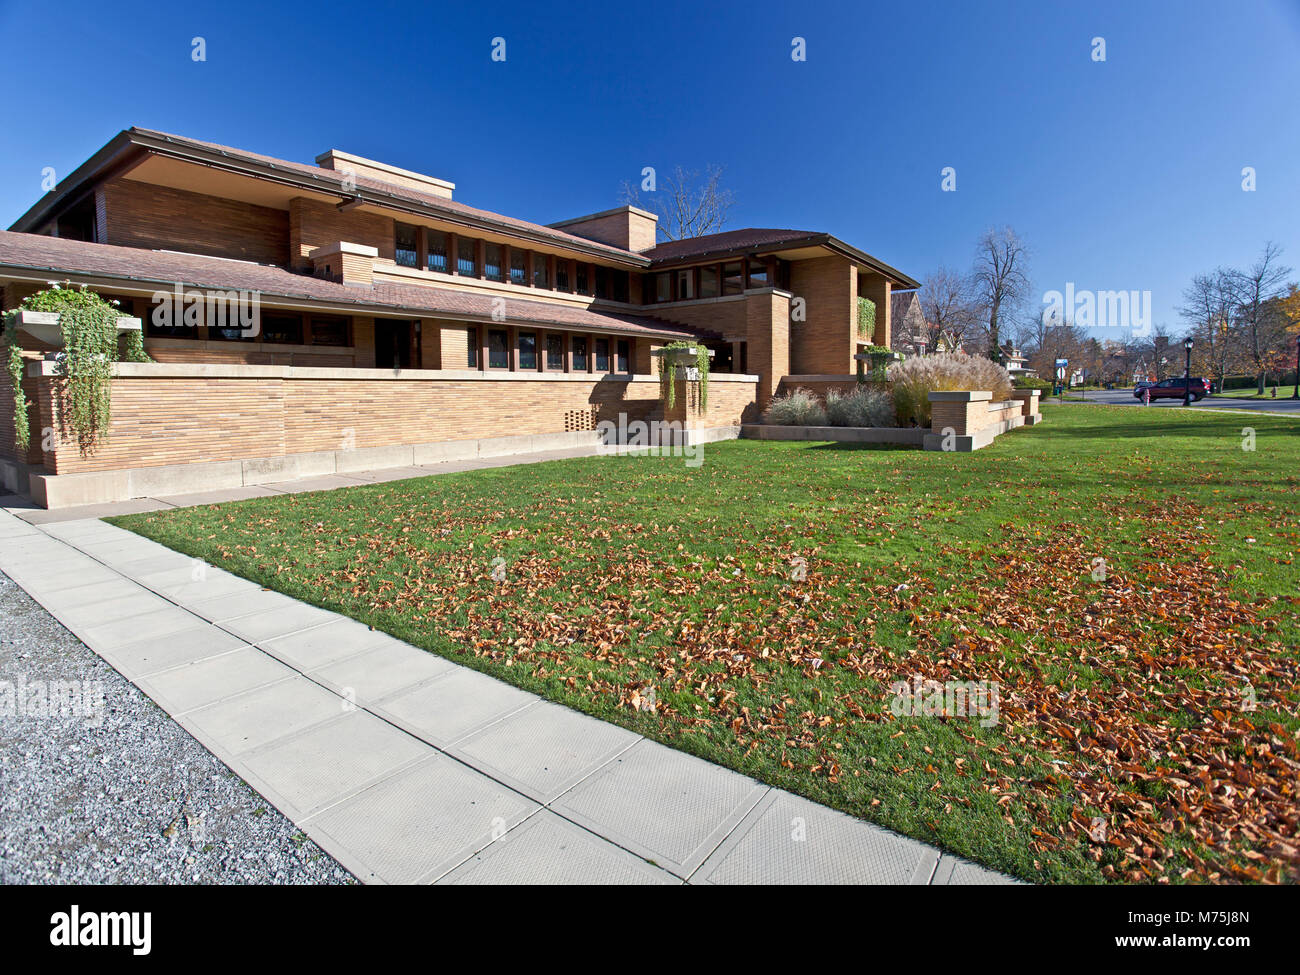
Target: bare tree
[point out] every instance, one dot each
(1255, 292)
(947, 304)
(1210, 310)
(689, 204)
(1000, 279)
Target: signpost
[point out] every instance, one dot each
(1060, 376)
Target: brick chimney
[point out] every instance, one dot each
(627, 227)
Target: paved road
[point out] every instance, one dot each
(1124, 397)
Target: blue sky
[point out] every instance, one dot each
(1120, 175)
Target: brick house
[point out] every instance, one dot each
(393, 316)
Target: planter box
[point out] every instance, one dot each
(44, 326)
(680, 357)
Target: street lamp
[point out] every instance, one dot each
(1187, 374)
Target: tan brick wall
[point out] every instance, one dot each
(146, 215)
(824, 344)
(176, 420)
(314, 224)
(455, 343)
(730, 404)
(767, 325)
(878, 289)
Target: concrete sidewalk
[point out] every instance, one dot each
(408, 768)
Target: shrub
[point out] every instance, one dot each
(799, 408)
(1032, 382)
(864, 407)
(914, 379)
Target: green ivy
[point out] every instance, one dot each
(15, 363)
(866, 316)
(667, 374)
(90, 347)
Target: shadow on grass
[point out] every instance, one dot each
(865, 446)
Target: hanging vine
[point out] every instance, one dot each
(668, 373)
(15, 363)
(84, 366)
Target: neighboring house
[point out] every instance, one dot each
(359, 265)
(911, 332)
(1014, 361)
(946, 341)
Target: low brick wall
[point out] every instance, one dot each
(969, 420)
(172, 415)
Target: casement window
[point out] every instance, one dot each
(562, 282)
(282, 329)
(492, 269)
(663, 287)
(623, 356)
(527, 351)
(498, 348)
(758, 274)
(408, 245)
(709, 282)
(733, 278)
(579, 353)
(686, 284)
(555, 352)
(602, 355)
(611, 285)
(471, 347)
(466, 258)
(436, 256)
(540, 279)
(582, 278)
(329, 330)
(518, 266)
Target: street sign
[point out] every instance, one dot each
(1062, 363)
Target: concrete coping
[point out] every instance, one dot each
(343, 247)
(962, 396)
(214, 370)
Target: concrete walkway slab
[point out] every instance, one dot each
(544, 749)
(383, 671)
(271, 624)
(323, 640)
(419, 825)
(787, 839)
(666, 806)
(141, 658)
(241, 723)
(198, 498)
(546, 849)
(330, 762)
(211, 679)
(453, 707)
(956, 871)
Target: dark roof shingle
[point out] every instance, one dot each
(57, 257)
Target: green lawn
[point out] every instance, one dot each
(1126, 747)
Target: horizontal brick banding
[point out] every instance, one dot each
(149, 216)
(161, 419)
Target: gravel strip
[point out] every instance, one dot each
(135, 800)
